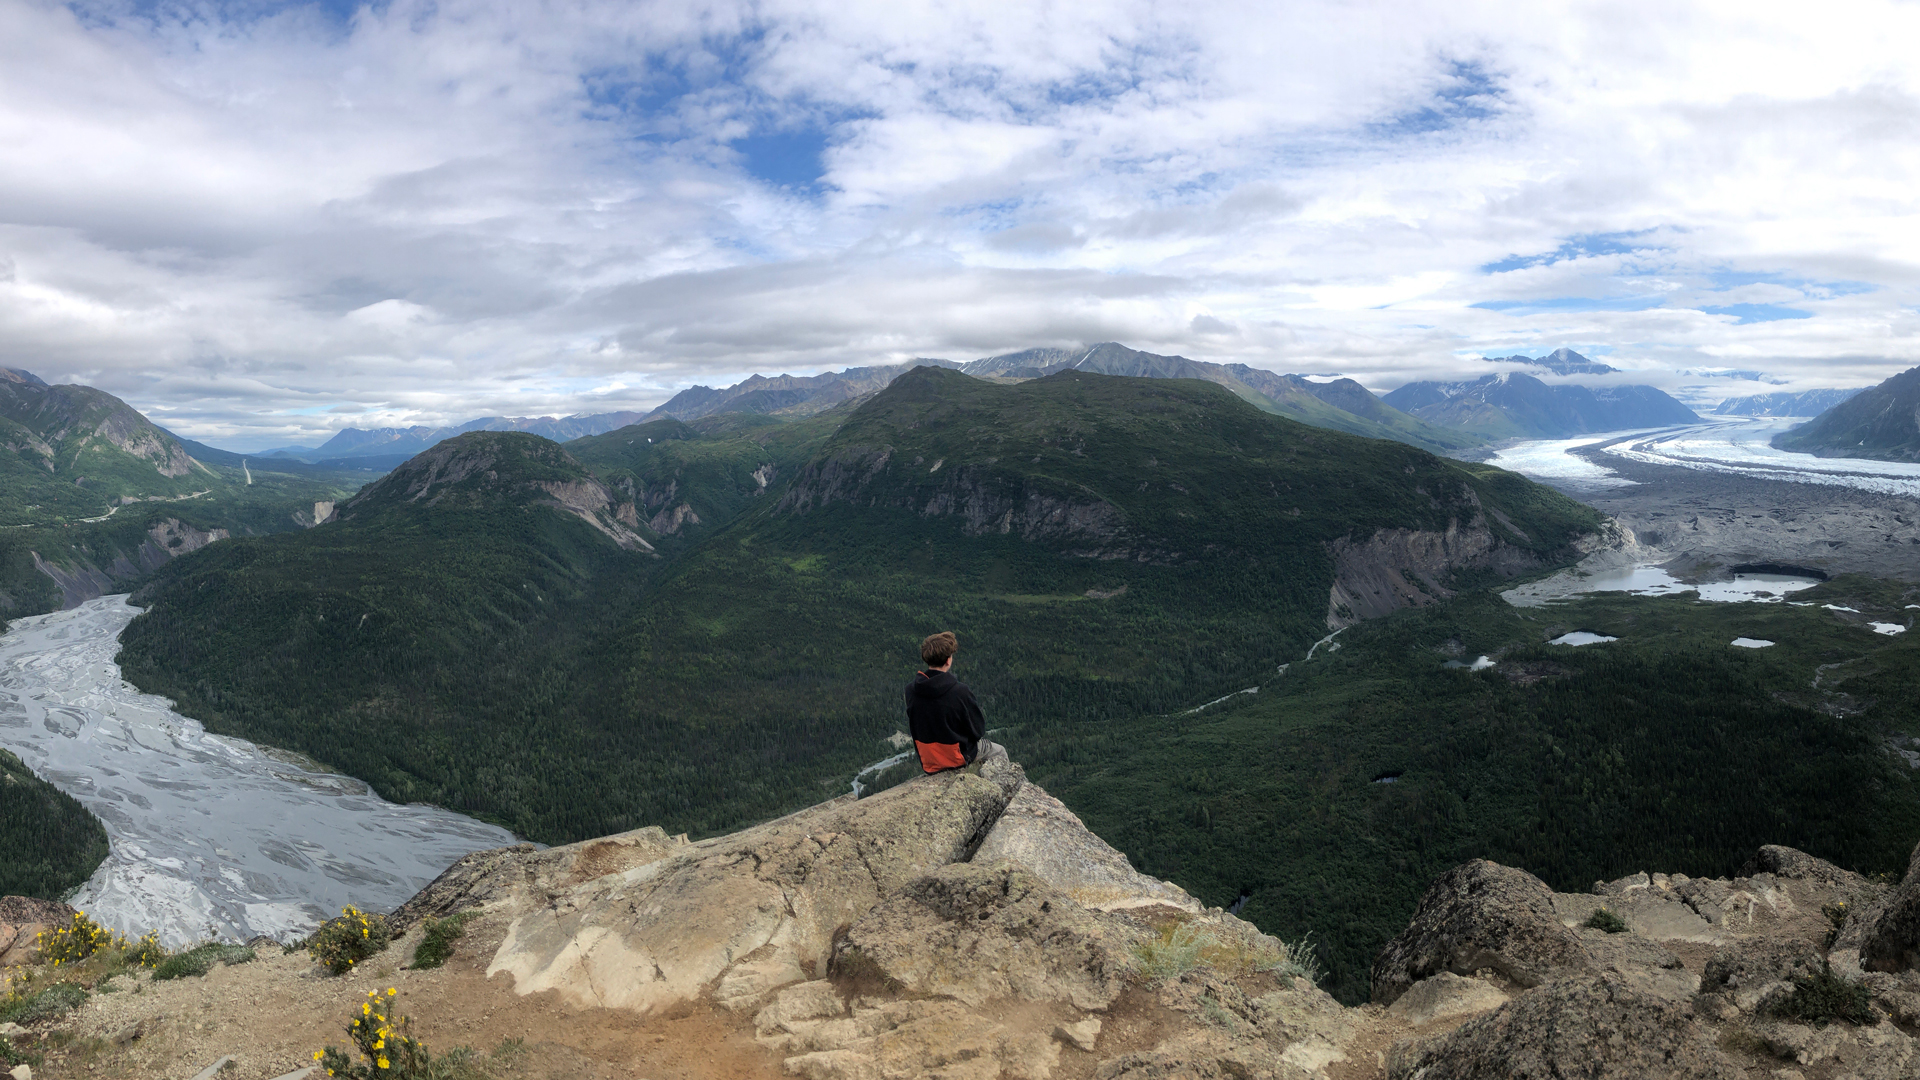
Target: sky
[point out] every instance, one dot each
(261, 222)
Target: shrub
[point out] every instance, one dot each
(200, 959)
(74, 942)
(389, 1051)
(1607, 921)
(347, 939)
(146, 950)
(1823, 997)
(1173, 952)
(1180, 947)
(1837, 918)
(437, 945)
(11, 1055)
(24, 1007)
(1298, 960)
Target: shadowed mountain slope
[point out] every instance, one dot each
(1882, 422)
(1515, 405)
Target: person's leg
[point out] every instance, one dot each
(989, 751)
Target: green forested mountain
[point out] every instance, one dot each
(94, 496)
(1880, 422)
(49, 843)
(1107, 546)
(73, 451)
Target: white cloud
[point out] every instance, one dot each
(435, 210)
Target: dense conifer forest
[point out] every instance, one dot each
(49, 843)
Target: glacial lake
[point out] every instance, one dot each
(211, 836)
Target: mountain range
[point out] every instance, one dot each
(1517, 405)
(1804, 403)
(1339, 404)
(1561, 361)
(1881, 422)
(394, 445)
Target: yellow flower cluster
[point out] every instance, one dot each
(381, 1037)
(343, 942)
(74, 942)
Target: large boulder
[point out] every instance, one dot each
(1038, 832)
(1748, 973)
(746, 913)
(1892, 941)
(1477, 917)
(22, 919)
(1792, 864)
(981, 933)
(1592, 1027)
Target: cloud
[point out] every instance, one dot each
(436, 209)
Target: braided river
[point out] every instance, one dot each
(210, 836)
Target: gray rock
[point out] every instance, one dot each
(1592, 1027)
(977, 933)
(1477, 916)
(1038, 832)
(739, 915)
(1786, 862)
(1750, 972)
(1084, 1034)
(1445, 996)
(1893, 941)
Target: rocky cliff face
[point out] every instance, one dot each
(491, 468)
(968, 925)
(82, 578)
(1399, 568)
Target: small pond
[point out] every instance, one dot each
(1582, 637)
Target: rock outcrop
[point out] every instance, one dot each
(22, 918)
(968, 926)
(964, 925)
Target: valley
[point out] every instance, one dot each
(699, 624)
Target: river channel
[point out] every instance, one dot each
(211, 836)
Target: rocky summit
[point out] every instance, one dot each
(968, 926)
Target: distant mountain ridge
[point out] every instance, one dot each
(1561, 361)
(366, 442)
(1806, 403)
(1517, 405)
(1341, 405)
(1881, 422)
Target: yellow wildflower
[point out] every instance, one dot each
(383, 1063)
(379, 1044)
(391, 991)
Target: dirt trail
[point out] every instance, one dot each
(273, 1013)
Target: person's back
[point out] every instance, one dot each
(948, 727)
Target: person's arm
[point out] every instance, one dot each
(976, 717)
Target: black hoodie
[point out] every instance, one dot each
(946, 722)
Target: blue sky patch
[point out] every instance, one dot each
(1582, 246)
(1571, 303)
(1723, 280)
(785, 159)
(1469, 93)
(1756, 313)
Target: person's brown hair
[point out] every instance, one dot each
(939, 648)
